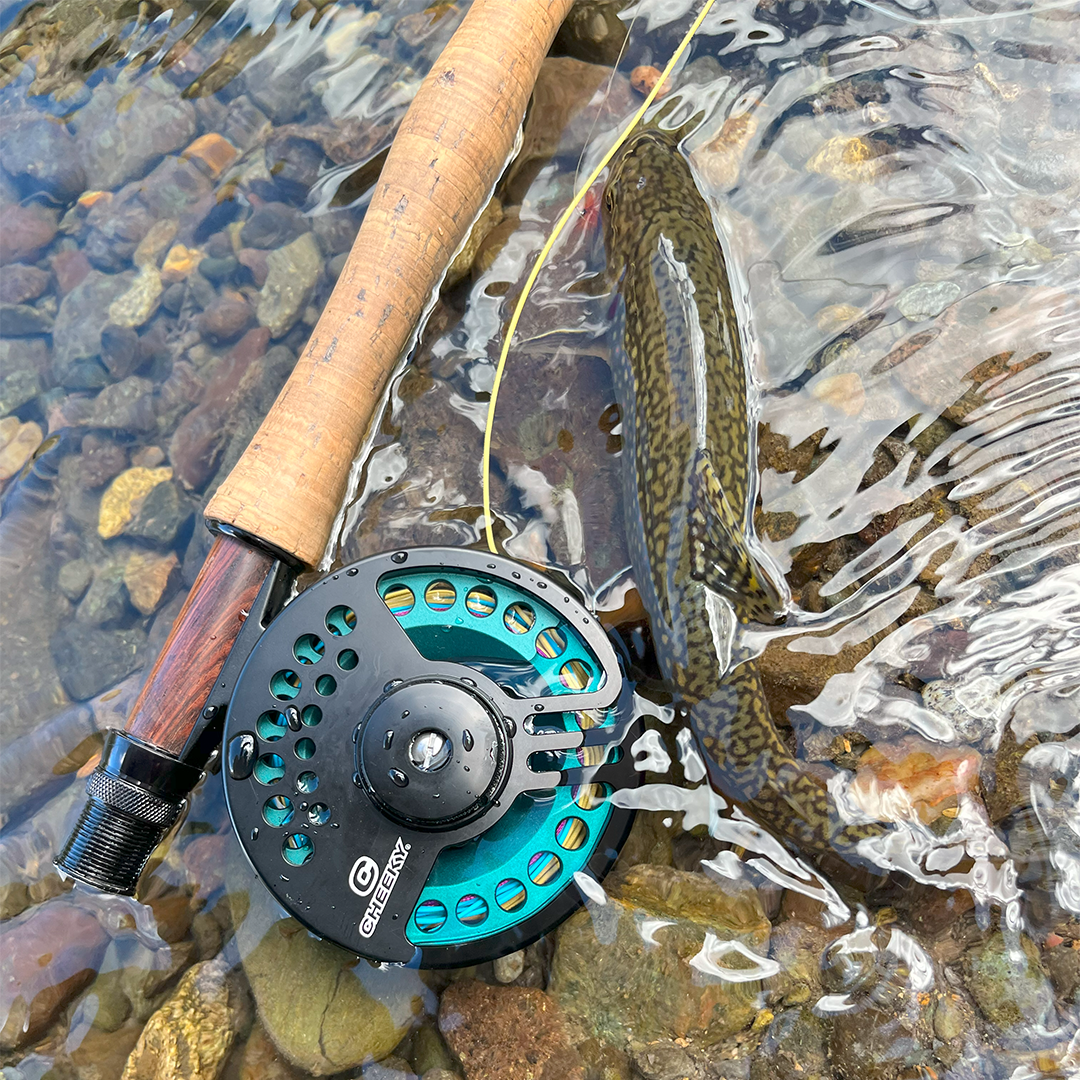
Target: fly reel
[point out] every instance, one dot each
(420, 754)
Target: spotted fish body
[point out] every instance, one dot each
(681, 388)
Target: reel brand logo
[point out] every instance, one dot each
(363, 875)
(394, 865)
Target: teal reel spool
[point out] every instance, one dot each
(422, 753)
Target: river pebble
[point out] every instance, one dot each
(594, 32)
(620, 977)
(226, 318)
(160, 515)
(24, 232)
(1008, 983)
(147, 577)
(73, 578)
(69, 266)
(21, 320)
(349, 1012)
(20, 283)
(24, 367)
(190, 1036)
(213, 151)
(794, 1047)
(45, 960)
(104, 603)
(119, 144)
(82, 317)
(141, 300)
(498, 1032)
(927, 299)
(43, 151)
(90, 661)
(273, 225)
(102, 458)
(293, 272)
(125, 406)
(17, 443)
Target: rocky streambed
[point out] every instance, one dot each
(897, 195)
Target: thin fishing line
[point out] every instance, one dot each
(567, 214)
(607, 94)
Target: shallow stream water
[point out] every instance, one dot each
(895, 186)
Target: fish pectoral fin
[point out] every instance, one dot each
(721, 559)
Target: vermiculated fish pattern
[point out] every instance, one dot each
(680, 381)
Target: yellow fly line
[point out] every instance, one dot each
(508, 337)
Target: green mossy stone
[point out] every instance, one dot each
(1008, 983)
(620, 986)
(325, 1009)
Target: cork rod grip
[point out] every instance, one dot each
(452, 144)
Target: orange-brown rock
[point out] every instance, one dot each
(504, 1031)
(213, 152)
(644, 77)
(911, 777)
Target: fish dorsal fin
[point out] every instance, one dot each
(721, 558)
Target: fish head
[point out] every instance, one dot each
(637, 189)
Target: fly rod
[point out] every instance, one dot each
(274, 513)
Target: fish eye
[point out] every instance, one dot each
(640, 182)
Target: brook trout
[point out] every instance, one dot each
(680, 382)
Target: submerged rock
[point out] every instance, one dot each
(42, 150)
(225, 319)
(102, 459)
(89, 661)
(594, 32)
(926, 300)
(649, 963)
(25, 231)
(874, 1043)
(104, 602)
(793, 1047)
(73, 579)
(499, 1032)
(196, 445)
(262, 1060)
(293, 272)
(124, 129)
(22, 320)
(190, 1036)
(20, 283)
(147, 578)
(326, 1009)
(160, 515)
(1009, 985)
(45, 960)
(140, 301)
(125, 406)
(17, 445)
(23, 367)
(123, 499)
(83, 315)
(213, 152)
(909, 778)
(273, 225)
